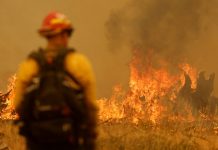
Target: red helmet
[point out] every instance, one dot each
(55, 23)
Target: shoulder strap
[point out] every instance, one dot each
(59, 60)
(39, 57)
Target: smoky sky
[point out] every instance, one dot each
(175, 30)
(20, 20)
(164, 26)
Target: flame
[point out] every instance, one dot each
(192, 72)
(8, 110)
(151, 95)
(149, 89)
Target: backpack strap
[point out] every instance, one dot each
(39, 57)
(59, 59)
(58, 62)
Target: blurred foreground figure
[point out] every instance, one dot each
(55, 93)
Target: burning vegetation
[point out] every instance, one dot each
(7, 110)
(155, 95)
(160, 109)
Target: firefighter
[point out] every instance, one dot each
(57, 30)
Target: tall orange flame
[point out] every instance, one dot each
(8, 112)
(149, 89)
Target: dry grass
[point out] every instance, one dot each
(10, 136)
(126, 136)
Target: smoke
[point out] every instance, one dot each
(175, 31)
(167, 27)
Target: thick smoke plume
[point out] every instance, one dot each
(176, 31)
(166, 26)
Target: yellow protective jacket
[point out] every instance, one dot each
(76, 64)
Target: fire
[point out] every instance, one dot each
(149, 89)
(112, 109)
(192, 72)
(7, 106)
(153, 95)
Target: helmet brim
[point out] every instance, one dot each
(50, 33)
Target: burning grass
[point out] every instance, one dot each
(160, 110)
(129, 136)
(155, 95)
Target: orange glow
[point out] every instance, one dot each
(8, 112)
(149, 89)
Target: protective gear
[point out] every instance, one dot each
(54, 108)
(55, 23)
(79, 67)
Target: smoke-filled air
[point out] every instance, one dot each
(175, 31)
(156, 71)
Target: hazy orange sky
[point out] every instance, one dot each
(20, 20)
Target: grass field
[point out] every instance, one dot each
(121, 135)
